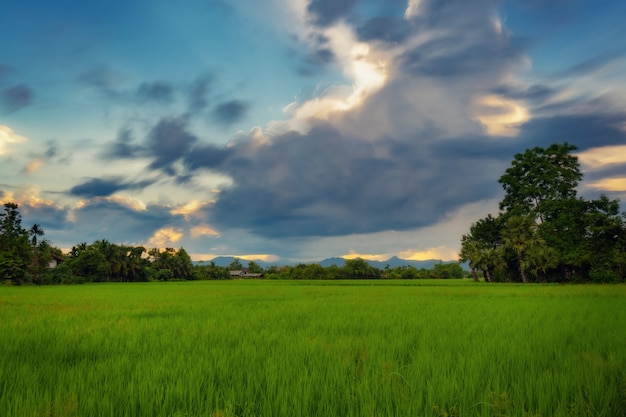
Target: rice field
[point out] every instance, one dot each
(310, 348)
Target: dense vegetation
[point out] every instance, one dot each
(26, 258)
(354, 348)
(544, 232)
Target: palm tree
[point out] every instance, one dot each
(539, 259)
(470, 253)
(35, 231)
(520, 234)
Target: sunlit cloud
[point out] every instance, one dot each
(500, 116)
(365, 71)
(610, 184)
(166, 236)
(130, 202)
(203, 230)
(7, 138)
(28, 195)
(190, 209)
(606, 155)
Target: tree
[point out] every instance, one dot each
(35, 231)
(14, 245)
(545, 230)
(482, 246)
(359, 268)
(538, 176)
(235, 265)
(254, 267)
(520, 235)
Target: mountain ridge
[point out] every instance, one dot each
(393, 262)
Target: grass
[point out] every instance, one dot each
(364, 348)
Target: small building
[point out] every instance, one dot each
(242, 273)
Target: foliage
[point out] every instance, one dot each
(539, 176)
(547, 233)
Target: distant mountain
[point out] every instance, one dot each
(393, 262)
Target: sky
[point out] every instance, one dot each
(297, 130)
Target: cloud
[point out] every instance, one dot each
(114, 219)
(198, 92)
(123, 147)
(17, 97)
(323, 183)
(166, 236)
(326, 12)
(203, 230)
(169, 141)
(230, 112)
(602, 156)
(157, 92)
(35, 209)
(33, 166)
(385, 29)
(7, 138)
(99, 187)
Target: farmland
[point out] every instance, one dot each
(313, 348)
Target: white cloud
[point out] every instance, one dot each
(166, 236)
(7, 138)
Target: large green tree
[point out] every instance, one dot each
(538, 176)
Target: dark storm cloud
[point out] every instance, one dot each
(157, 91)
(167, 142)
(230, 112)
(99, 187)
(326, 12)
(16, 97)
(323, 183)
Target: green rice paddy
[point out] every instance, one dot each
(358, 348)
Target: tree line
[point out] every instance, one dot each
(544, 232)
(28, 258)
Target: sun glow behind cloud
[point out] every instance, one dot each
(365, 70)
